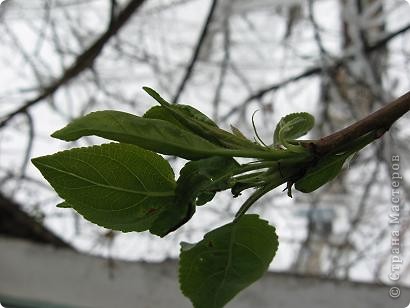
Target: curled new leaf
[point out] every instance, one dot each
(117, 186)
(226, 261)
(292, 127)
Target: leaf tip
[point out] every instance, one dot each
(155, 95)
(36, 161)
(63, 134)
(56, 134)
(64, 205)
(150, 91)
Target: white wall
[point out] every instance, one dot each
(32, 272)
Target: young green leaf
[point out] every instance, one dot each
(197, 184)
(199, 180)
(151, 134)
(173, 217)
(193, 113)
(235, 146)
(330, 166)
(226, 261)
(291, 127)
(188, 111)
(160, 113)
(156, 135)
(325, 171)
(117, 186)
(201, 125)
(192, 120)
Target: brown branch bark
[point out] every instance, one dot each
(83, 61)
(379, 122)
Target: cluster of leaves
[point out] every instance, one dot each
(127, 186)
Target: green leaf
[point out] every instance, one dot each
(188, 111)
(200, 180)
(197, 184)
(160, 113)
(226, 261)
(291, 127)
(117, 186)
(193, 113)
(201, 125)
(173, 217)
(325, 171)
(189, 117)
(230, 144)
(151, 134)
(328, 167)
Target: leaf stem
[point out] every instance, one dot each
(278, 180)
(273, 155)
(255, 166)
(249, 177)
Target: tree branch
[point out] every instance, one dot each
(195, 55)
(14, 222)
(314, 70)
(83, 61)
(379, 122)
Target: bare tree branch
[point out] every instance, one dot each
(83, 61)
(313, 71)
(195, 55)
(14, 222)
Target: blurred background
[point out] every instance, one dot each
(337, 59)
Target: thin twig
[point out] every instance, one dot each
(313, 71)
(83, 61)
(195, 55)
